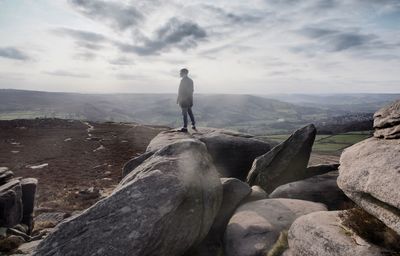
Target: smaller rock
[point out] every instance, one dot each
(387, 121)
(49, 219)
(257, 193)
(28, 201)
(28, 248)
(10, 204)
(321, 188)
(10, 243)
(256, 226)
(321, 233)
(234, 191)
(321, 169)
(5, 175)
(89, 193)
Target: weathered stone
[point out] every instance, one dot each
(369, 174)
(232, 152)
(10, 243)
(257, 193)
(166, 206)
(5, 175)
(285, 163)
(10, 204)
(387, 121)
(388, 133)
(321, 169)
(321, 188)
(27, 248)
(234, 191)
(256, 226)
(321, 233)
(135, 162)
(49, 219)
(28, 187)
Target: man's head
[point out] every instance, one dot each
(184, 72)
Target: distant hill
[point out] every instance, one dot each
(355, 103)
(247, 113)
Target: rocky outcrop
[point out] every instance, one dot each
(164, 207)
(233, 153)
(321, 188)
(369, 175)
(285, 163)
(234, 191)
(256, 226)
(17, 201)
(321, 233)
(387, 121)
(10, 204)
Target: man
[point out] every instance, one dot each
(185, 99)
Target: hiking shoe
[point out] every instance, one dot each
(183, 129)
(194, 127)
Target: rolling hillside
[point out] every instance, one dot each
(247, 113)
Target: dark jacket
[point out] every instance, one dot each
(185, 93)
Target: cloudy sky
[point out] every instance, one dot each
(230, 46)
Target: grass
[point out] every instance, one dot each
(329, 143)
(371, 229)
(280, 246)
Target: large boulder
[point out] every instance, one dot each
(10, 204)
(166, 206)
(234, 191)
(369, 175)
(387, 121)
(256, 226)
(285, 163)
(321, 233)
(320, 188)
(233, 153)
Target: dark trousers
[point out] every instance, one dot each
(185, 112)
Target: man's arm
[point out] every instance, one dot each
(179, 93)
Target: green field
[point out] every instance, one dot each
(329, 143)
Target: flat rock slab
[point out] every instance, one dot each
(256, 226)
(321, 233)
(166, 206)
(369, 174)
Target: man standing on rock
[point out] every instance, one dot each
(185, 99)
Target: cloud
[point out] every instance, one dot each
(332, 40)
(66, 74)
(84, 39)
(13, 53)
(119, 15)
(121, 61)
(174, 34)
(128, 77)
(232, 17)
